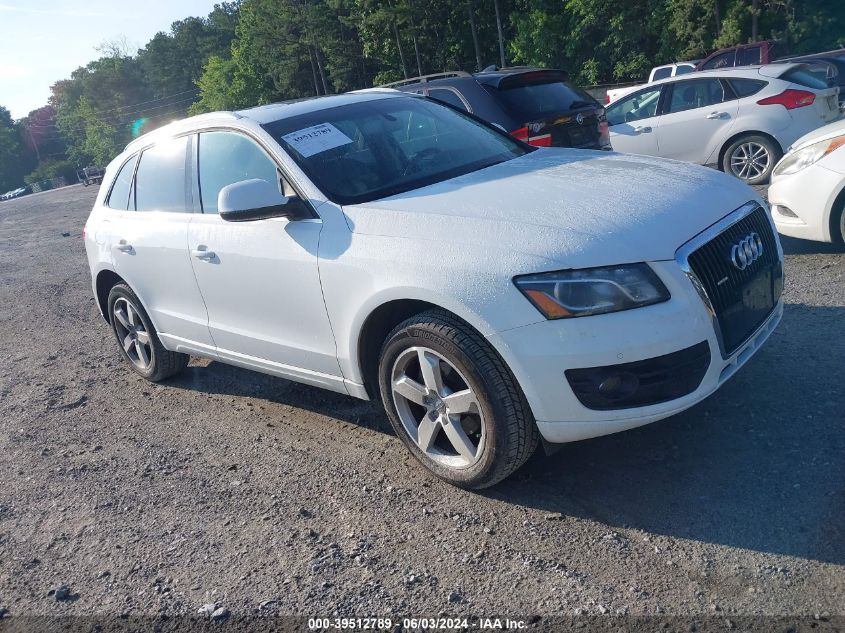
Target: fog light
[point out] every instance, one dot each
(618, 386)
(785, 211)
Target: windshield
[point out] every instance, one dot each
(374, 149)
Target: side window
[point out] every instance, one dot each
(447, 96)
(699, 93)
(662, 73)
(640, 105)
(226, 158)
(748, 56)
(160, 180)
(746, 87)
(725, 60)
(683, 69)
(119, 195)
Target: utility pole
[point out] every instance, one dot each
(34, 144)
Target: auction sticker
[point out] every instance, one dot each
(315, 139)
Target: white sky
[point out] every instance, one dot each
(42, 41)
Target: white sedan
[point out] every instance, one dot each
(738, 119)
(807, 194)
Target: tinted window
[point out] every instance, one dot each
(370, 150)
(803, 76)
(683, 69)
(746, 87)
(748, 56)
(447, 96)
(662, 73)
(119, 196)
(725, 60)
(640, 105)
(699, 93)
(226, 158)
(160, 180)
(532, 101)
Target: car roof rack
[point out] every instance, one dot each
(426, 78)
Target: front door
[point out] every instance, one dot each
(259, 279)
(633, 122)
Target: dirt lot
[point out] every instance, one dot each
(264, 496)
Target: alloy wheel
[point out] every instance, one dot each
(750, 160)
(437, 407)
(132, 334)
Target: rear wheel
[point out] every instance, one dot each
(751, 158)
(137, 338)
(453, 401)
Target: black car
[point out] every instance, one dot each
(535, 105)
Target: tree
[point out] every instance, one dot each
(11, 150)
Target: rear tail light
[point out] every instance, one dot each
(521, 134)
(790, 99)
(606, 99)
(604, 134)
(542, 140)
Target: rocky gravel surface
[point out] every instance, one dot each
(229, 492)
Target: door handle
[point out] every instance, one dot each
(642, 130)
(124, 247)
(203, 253)
(716, 115)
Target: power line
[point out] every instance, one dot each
(130, 108)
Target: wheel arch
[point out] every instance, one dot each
(738, 135)
(105, 281)
(833, 210)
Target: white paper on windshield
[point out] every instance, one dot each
(315, 139)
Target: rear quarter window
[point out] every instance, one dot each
(746, 87)
(530, 102)
(804, 77)
(119, 194)
(661, 73)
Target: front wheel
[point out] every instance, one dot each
(453, 401)
(751, 158)
(137, 338)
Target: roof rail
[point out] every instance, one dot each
(424, 78)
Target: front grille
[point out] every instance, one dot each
(741, 299)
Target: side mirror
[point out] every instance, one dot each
(256, 199)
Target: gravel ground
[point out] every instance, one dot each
(263, 496)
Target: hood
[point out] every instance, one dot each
(574, 208)
(837, 128)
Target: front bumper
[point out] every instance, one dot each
(540, 354)
(809, 195)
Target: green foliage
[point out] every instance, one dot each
(51, 168)
(250, 52)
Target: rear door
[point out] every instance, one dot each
(698, 115)
(550, 112)
(633, 122)
(150, 246)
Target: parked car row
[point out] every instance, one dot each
(16, 193)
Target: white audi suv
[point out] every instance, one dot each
(383, 245)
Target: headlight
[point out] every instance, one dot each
(575, 293)
(794, 162)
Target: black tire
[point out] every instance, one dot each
(511, 434)
(772, 148)
(163, 363)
